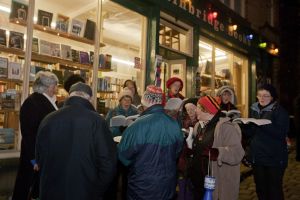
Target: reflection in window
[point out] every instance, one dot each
(174, 38)
(219, 67)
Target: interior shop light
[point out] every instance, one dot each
(209, 59)
(53, 25)
(122, 61)
(35, 19)
(4, 9)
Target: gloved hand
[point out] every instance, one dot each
(214, 153)
(189, 140)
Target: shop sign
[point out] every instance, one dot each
(218, 26)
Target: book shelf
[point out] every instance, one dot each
(56, 32)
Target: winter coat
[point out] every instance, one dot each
(119, 111)
(150, 147)
(222, 134)
(75, 152)
(227, 139)
(268, 143)
(32, 112)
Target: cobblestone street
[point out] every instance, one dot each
(291, 182)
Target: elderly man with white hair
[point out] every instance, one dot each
(39, 104)
(75, 150)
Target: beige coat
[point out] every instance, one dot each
(227, 138)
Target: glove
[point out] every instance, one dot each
(189, 140)
(214, 153)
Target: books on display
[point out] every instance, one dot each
(3, 37)
(62, 23)
(16, 40)
(3, 67)
(18, 11)
(258, 122)
(75, 55)
(84, 57)
(121, 120)
(35, 45)
(77, 27)
(49, 48)
(14, 70)
(66, 52)
(89, 31)
(44, 18)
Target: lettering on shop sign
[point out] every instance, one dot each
(218, 26)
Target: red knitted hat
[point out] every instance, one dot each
(210, 104)
(173, 80)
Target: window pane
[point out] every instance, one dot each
(205, 67)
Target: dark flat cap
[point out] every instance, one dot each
(81, 87)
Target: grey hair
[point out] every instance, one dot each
(43, 80)
(80, 94)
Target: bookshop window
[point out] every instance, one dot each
(64, 32)
(229, 69)
(124, 36)
(175, 34)
(12, 37)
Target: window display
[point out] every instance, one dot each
(219, 67)
(64, 43)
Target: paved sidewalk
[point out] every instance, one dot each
(291, 182)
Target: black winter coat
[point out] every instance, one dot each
(32, 112)
(76, 153)
(268, 143)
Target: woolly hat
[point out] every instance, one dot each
(189, 100)
(229, 89)
(72, 79)
(153, 95)
(172, 80)
(270, 88)
(125, 92)
(81, 87)
(209, 103)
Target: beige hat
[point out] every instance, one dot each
(125, 92)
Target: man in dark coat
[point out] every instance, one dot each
(33, 110)
(150, 147)
(75, 150)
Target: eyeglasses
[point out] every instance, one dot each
(263, 96)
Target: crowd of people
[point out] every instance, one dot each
(71, 152)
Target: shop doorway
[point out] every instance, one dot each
(173, 65)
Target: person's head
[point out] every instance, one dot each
(175, 85)
(190, 106)
(125, 98)
(207, 108)
(152, 96)
(81, 90)
(226, 93)
(45, 82)
(71, 80)
(266, 94)
(130, 84)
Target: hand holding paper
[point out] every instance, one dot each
(189, 140)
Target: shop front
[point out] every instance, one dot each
(201, 43)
